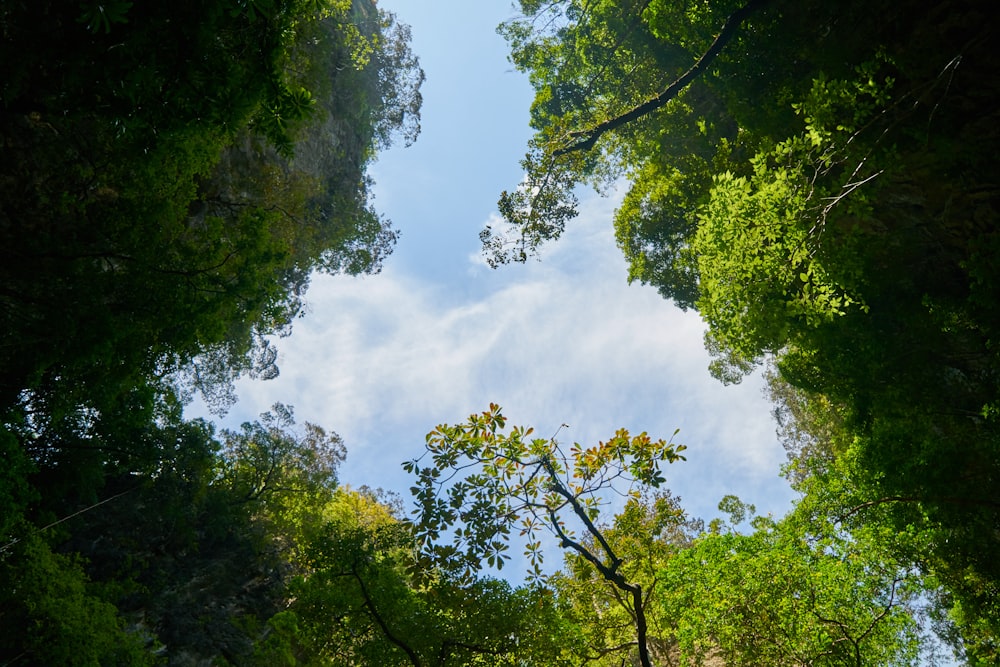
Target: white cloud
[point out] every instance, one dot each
(383, 359)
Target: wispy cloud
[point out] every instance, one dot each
(383, 359)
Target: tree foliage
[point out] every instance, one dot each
(356, 600)
(173, 174)
(817, 179)
(651, 585)
(821, 190)
(646, 533)
(789, 594)
(512, 481)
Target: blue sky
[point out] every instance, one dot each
(437, 335)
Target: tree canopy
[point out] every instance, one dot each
(172, 174)
(817, 180)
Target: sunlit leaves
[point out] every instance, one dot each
(761, 256)
(356, 599)
(482, 482)
(792, 592)
(644, 534)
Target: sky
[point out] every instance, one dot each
(438, 335)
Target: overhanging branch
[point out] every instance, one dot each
(585, 139)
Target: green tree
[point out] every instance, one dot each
(646, 534)
(172, 175)
(186, 538)
(51, 615)
(792, 592)
(481, 483)
(357, 600)
(822, 193)
(891, 477)
(156, 217)
(599, 69)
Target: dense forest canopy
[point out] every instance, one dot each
(817, 180)
(172, 174)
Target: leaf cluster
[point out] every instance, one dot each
(483, 482)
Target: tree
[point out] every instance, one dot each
(647, 534)
(179, 547)
(822, 194)
(512, 481)
(155, 217)
(355, 599)
(792, 592)
(263, 459)
(172, 175)
(594, 66)
(51, 614)
(891, 476)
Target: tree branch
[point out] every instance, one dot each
(913, 499)
(587, 138)
(558, 487)
(611, 572)
(383, 626)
